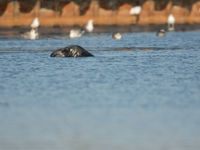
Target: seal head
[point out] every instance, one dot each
(71, 51)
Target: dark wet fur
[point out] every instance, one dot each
(71, 51)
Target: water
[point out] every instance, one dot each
(138, 93)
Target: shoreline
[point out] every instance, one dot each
(100, 28)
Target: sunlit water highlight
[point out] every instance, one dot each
(138, 93)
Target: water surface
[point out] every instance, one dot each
(141, 92)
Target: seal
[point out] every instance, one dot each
(71, 51)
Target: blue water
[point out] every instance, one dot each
(138, 93)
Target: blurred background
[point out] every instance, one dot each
(103, 12)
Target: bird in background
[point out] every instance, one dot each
(117, 36)
(32, 35)
(76, 33)
(161, 32)
(136, 10)
(89, 27)
(35, 24)
(171, 22)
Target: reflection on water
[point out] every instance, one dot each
(141, 92)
